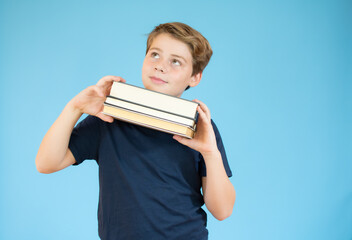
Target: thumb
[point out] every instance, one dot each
(182, 140)
(105, 118)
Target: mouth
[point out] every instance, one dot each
(157, 80)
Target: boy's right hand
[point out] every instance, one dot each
(91, 100)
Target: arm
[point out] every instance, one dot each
(54, 154)
(218, 192)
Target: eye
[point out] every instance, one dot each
(155, 55)
(176, 62)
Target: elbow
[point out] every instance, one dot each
(222, 216)
(41, 168)
(226, 210)
(221, 213)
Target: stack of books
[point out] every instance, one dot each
(152, 109)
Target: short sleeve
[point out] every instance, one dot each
(221, 148)
(85, 139)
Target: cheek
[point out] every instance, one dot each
(182, 75)
(145, 66)
(148, 64)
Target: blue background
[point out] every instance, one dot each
(278, 86)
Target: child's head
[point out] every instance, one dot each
(175, 58)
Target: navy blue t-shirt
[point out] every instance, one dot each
(149, 184)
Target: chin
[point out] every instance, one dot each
(159, 89)
(151, 87)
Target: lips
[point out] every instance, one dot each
(157, 80)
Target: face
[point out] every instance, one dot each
(167, 66)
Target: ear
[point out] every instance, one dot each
(195, 80)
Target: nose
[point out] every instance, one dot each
(160, 67)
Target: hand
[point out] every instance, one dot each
(91, 100)
(204, 140)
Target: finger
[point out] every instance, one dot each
(106, 83)
(204, 108)
(108, 80)
(207, 114)
(203, 116)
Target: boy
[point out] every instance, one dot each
(149, 180)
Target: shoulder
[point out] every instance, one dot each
(90, 123)
(216, 130)
(213, 123)
(217, 134)
(89, 119)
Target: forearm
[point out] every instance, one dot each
(54, 146)
(219, 193)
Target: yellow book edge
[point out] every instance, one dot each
(147, 121)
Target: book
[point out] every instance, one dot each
(157, 100)
(152, 109)
(149, 111)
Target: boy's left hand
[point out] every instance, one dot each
(204, 140)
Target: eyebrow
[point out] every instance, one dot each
(174, 55)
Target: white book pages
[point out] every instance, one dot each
(154, 99)
(148, 126)
(147, 121)
(149, 111)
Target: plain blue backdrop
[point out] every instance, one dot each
(278, 86)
